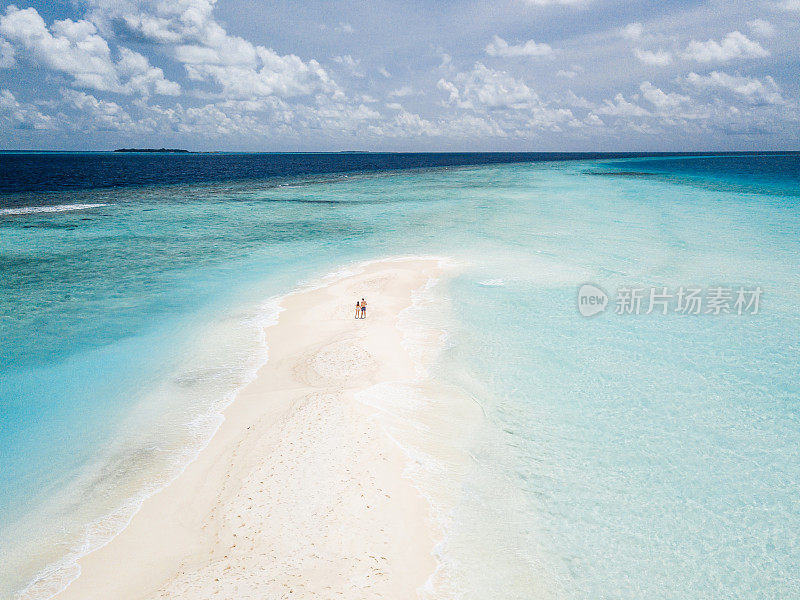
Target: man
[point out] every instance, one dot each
(363, 309)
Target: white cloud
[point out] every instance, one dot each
(471, 126)
(570, 73)
(753, 89)
(593, 120)
(408, 124)
(401, 92)
(632, 31)
(518, 108)
(659, 58)
(620, 107)
(450, 88)
(244, 91)
(139, 75)
(499, 47)
(761, 28)
(209, 54)
(412, 124)
(267, 116)
(101, 114)
(790, 5)
(22, 114)
(489, 88)
(7, 55)
(268, 74)
(211, 120)
(335, 116)
(353, 65)
(578, 101)
(162, 21)
(660, 99)
(76, 49)
(734, 45)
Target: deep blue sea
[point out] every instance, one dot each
(621, 456)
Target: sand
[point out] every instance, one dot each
(300, 493)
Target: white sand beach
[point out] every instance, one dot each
(301, 493)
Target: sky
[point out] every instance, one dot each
(440, 75)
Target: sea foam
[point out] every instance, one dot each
(55, 208)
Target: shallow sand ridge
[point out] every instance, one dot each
(301, 493)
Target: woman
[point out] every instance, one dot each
(358, 310)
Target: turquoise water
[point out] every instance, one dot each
(618, 456)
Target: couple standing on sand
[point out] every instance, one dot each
(361, 309)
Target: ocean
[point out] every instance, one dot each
(643, 452)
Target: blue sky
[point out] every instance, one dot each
(538, 75)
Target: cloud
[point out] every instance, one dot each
(76, 49)
(790, 5)
(734, 45)
(593, 120)
(102, 115)
(350, 63)
(471, 126)
(578, 101)
(659, 58)
(499, 47)
(188, 29)
(632, 31)
(406, 90)
(450, 88)
(250, 94)
(519, 108)
(23, 115)
(284, 76)
(488, 88)
(7, 55)
(619, 107)
(761, 28)
(140, 76)
(570, 73)
(407, 124)
(336, 117)
(753, 89)
(660, 99)
(267, 117)
(160, 21)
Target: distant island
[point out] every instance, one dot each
(151, 150)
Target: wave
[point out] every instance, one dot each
(55, 208)
(492, 282)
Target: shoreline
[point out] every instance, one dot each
(300, 469)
